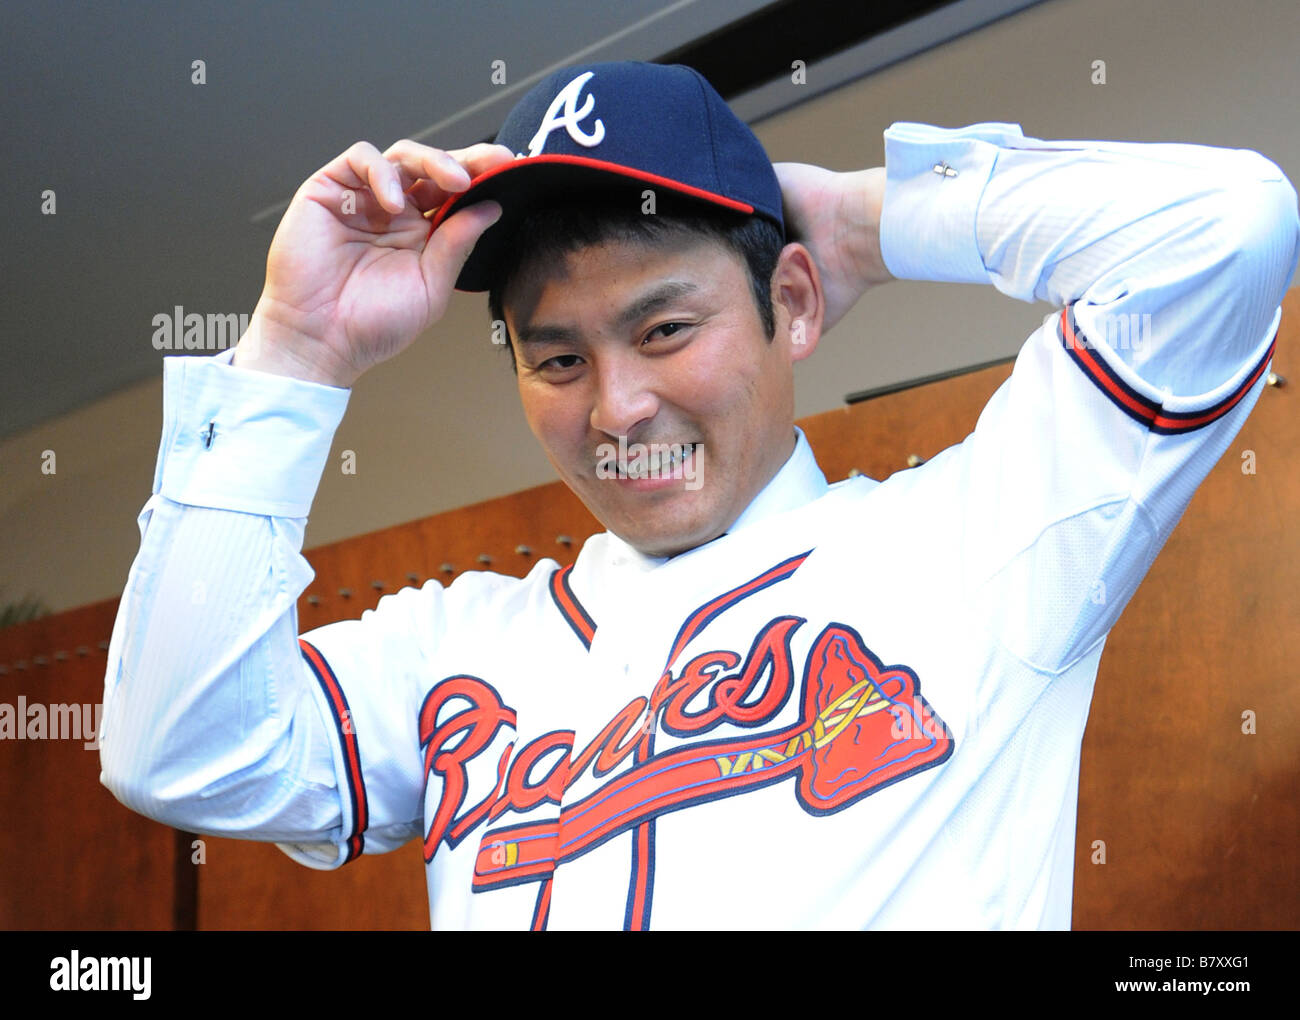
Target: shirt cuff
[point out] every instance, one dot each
(244, 440)
(934, 179)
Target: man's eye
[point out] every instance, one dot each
(667, 329)
(560, 362)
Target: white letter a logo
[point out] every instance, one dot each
(570, 119)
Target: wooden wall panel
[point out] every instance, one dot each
(249, 886)
(877, 437)
(71, 856)
(513, 532)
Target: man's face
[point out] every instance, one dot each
(630, 353)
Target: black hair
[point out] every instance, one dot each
(551, 232)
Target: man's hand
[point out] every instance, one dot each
(353, 276)
(837, 217)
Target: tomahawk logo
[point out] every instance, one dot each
(564, 113)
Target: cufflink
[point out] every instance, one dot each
(944, 170)
(208, 434)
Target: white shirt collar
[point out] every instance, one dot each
(799, 481)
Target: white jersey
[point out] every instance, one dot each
(861, 707)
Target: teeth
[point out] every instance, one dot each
(652, 464)
(680, 455)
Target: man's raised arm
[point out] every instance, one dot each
(1166, 265)
(213, 720)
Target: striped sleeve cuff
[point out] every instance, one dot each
(1140, 401)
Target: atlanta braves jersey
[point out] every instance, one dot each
(861, 707)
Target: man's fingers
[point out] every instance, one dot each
(363, 166)
(424, 162)
(451, 243)
(480, 158)
(431, 176)
(426, 175)
(389, 174)
(426, 184)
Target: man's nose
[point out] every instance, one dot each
(624, 396)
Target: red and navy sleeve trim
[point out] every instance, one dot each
(570, 608)
(351, 751)
(1143, 409)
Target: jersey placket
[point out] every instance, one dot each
(618, 677)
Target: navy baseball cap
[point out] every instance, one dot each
(617, 127)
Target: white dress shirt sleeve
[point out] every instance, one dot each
(213, 721)
(1166, 265)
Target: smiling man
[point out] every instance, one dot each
(662, 346)
(756, 699)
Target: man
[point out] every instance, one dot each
(756, 700)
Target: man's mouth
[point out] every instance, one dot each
(663, 461)
(642, 460)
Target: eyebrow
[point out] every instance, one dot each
(645, 304)
(654, 299)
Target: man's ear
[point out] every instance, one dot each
(798, 301)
